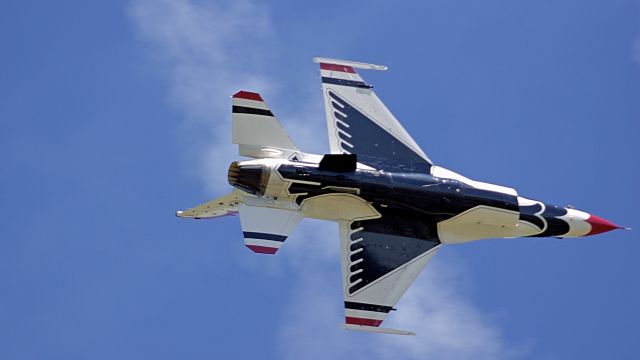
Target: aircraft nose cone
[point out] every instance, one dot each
(600, 225)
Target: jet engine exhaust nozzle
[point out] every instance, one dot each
(250, 178)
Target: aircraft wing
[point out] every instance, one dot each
(380, 260)
(359, 123)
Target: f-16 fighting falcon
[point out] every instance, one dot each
(394, 207)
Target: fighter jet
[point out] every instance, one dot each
(394, 207)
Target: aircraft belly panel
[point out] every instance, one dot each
(338, 207)
(480, 222)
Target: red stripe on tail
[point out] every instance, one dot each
(248, 95)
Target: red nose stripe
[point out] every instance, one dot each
(600, 225)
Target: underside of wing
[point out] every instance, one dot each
(359, 123)
(380, 260)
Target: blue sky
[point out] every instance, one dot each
(115, 114)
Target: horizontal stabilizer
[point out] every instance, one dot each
(266, 229)
(222, 206)
(257, 130)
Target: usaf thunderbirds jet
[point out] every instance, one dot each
(394, 207)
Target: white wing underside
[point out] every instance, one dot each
(366, 308)
(340, 78)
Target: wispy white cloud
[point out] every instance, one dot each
(203, 49)
(448, 324)
(209, 51)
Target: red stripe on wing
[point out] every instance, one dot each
(336, 67)
(362, 321)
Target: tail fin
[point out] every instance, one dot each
(257, 130)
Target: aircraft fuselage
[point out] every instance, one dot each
(441, 209)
